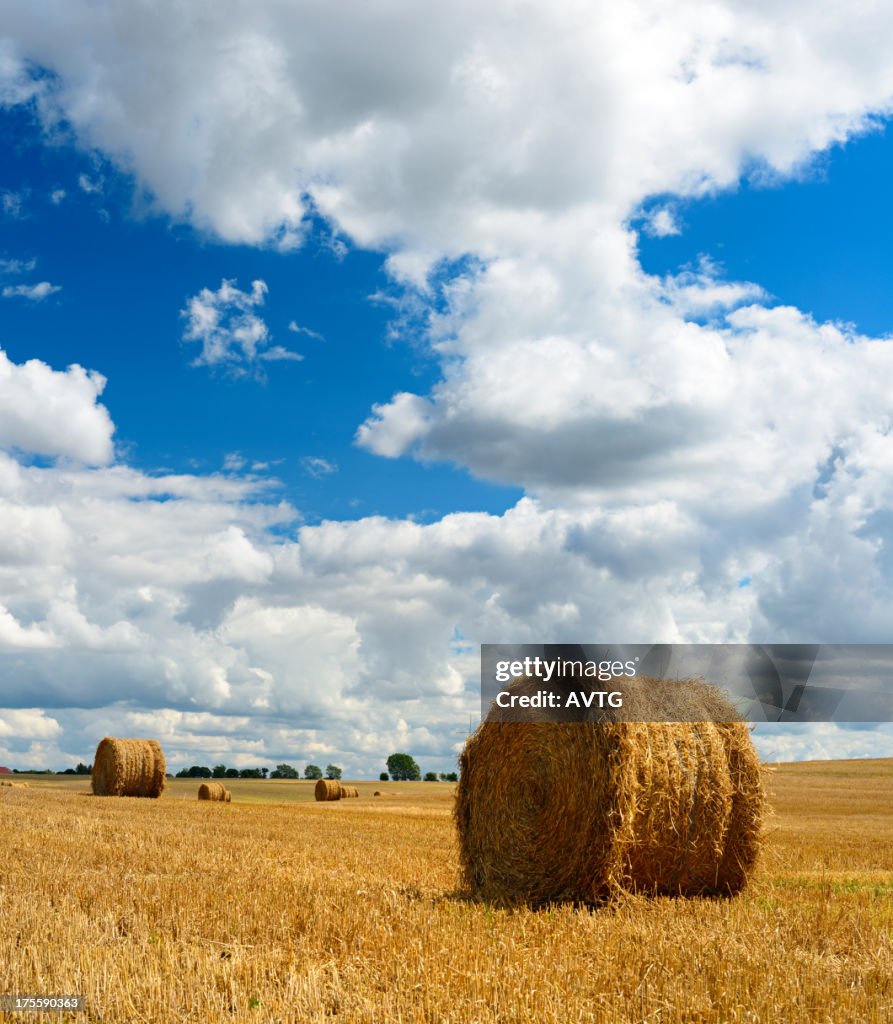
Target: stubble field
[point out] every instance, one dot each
(274, 908)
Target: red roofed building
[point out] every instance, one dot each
(5, 771)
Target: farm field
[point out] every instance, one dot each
(275, 908)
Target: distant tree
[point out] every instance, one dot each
(313, 771)
(333, 771)
(232, 773)
(263, 772)
(197, 771)
(83, 769)
(403, 768)
(68, 771)
(219, 771)
(284, 771)
(430, 776)
(451, 777)
(384, 777)
(250, 773)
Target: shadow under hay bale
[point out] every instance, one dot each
(214, 791)
(327, 789)
(128, 768)
(581, 811)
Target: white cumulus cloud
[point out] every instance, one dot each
(54, 412)
(673, 435)
(229, 330)
(34, 292)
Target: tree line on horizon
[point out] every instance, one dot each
(401, 768)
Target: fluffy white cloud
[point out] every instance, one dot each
(230, 332)
(438, 127)
(317, 466)
(53, 412)
(673, 435)
(34, 292)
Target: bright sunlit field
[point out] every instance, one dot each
(275, 908)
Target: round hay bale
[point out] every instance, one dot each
(214, 791)
(328, 789)
(378, 792)
(128, 768)
(353, 791)
(582, 810)
(343, 791)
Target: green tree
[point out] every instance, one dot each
(83, 769)
(284, 771)
(403, 768)
(384, 777)
(313, 771)
(219, 771)
(333, 771)
(452, 777)
(430, 776)
(232, 773)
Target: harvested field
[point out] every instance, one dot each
(159, 911)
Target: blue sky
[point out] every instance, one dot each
(125, 275)
(336, 346)
(821, 242)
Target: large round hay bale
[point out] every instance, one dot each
(328, 789)
(214, 791)
(128, 768)
(582, 810)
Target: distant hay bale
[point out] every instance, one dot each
(214, 791)
(343, 792)
(378, 792)
(13, 785)
(353, 791)
(128, 768)
(328, 789)
(582, 810)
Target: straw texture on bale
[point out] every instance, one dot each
(128, 768)
(327, 789)
(15, 785)
(214, 791)
(378, 792)
(582, 810)
(348, 791)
